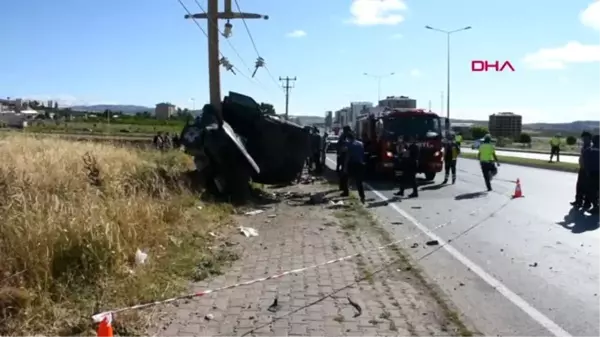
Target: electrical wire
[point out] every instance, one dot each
(212, 22)
(206, 34)
(237, 5)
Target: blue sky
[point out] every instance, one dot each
(143, 52)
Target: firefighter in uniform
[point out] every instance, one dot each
(451, 151)
(580, 192)
(487, 158)
(353, 166)
(555, 148)
(458, 139)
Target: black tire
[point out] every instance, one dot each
(429, 175)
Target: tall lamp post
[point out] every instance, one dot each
(379, 78)
(448, 33)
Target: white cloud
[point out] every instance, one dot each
(396, 36)
(557, 58)
(296, 33)
(591, 15)
(377, 12)
(415, 73)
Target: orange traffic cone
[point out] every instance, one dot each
(105, 327)
(518, 193)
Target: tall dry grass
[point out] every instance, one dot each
(72, 215)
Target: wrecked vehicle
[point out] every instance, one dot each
(246, 145)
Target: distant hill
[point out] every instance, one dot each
(126, 109)
(575, 126)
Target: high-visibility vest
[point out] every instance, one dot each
(486, 152)
(555, 141)
(458, 138)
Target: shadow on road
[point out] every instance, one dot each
(578, 222)
(433, 187)
(472, 195)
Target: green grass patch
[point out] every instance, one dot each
(537, 163)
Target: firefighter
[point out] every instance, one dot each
(487, 158)
(580, 193)
(591, 165)
(555, 147)
(340, 159)
(353, 166)
(410, 164)
(451, 151)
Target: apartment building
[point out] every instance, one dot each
(505, 124)
(398, 102)
(164, 111)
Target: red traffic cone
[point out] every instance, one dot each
(105, 327)
(518, 193)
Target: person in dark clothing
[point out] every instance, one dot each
(316, 151)
(451, 151)
(580, 193)
(410, 164)
(353, 166)
(591, 165)
(175, 141)
(340, 144)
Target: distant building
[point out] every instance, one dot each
(398, 102)
(505, 124)
(164, 110)
(357, 109)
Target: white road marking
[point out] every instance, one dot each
(517, 300)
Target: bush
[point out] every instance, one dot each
(525, 138)
(73, 215)
(571, 140)
(477, 132)
(503, 142)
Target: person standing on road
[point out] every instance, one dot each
(458, 139)
(487, 158)
(451, 151)
(591, 165)
(353, 166)
(316, 151)
(341, 143)
(555, 148)
(580, 192)
(410, 164)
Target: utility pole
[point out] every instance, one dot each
(287, 88)
(213, 15)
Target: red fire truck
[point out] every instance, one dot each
(379, 134)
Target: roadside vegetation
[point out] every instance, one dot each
(73, 216)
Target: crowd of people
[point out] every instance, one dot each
(164, 141)
(351, 164)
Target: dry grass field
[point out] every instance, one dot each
(73, 214)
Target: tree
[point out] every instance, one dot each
(478, 131)
(267, 109)
(571, 140)
(525, 138)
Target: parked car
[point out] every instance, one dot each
(331, 144)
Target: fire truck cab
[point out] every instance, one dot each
(380, 133)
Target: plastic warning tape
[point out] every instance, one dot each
(101, 316)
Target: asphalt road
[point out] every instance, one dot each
(563, 157)
(527, 266)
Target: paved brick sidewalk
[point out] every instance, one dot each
(392, 302)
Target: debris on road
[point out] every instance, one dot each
(356, 306)
(414, 245)
(535, 264)
(248, 231)
(274, 306)
(255, 212)
(432, 243)
(209, 317)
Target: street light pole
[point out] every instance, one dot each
(448, 33)
(379, 78)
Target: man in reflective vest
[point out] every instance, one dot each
(451, 151)
(458, 139)
(555, 148)
(487, 158)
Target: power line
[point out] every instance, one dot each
(226, 39)
(237, 5)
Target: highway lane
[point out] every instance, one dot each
(543, 256)
(528, 155)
